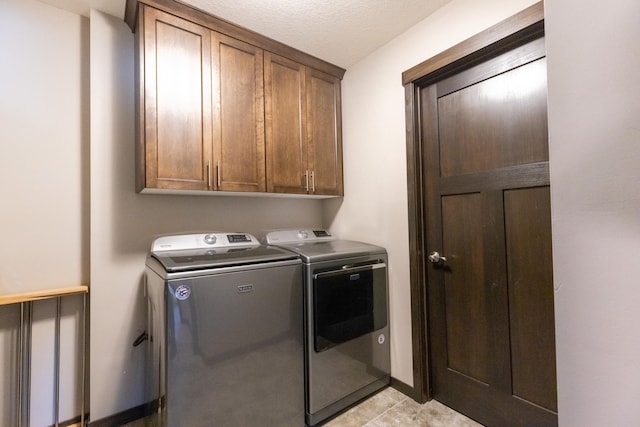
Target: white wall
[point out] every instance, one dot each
(44, 218)
(594, 129)
(124, 223)
(43, 135)
(375, 203)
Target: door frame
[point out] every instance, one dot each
(519, 29)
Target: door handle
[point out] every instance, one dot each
(313, 182)
(436, 258)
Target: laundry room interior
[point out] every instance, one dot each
(73, 220)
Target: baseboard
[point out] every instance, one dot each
(405, 389)
(146, 409)
(74, 422)
(124, 417)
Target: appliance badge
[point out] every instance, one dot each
(182, 292)
(245, 288)
(381, 339)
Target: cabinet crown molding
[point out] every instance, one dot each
(230, 29)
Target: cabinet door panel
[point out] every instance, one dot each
(324, 133)
(238, 121)
(285, 113)
(177, 108)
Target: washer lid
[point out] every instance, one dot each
(197, 259)
(186, 252)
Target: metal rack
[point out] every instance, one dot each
(24, 348)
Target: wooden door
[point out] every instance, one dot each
(324, 133)
(177, 102)
(490, 304)
(285, 125)
(238, 115)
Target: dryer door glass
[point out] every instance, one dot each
(348, 302)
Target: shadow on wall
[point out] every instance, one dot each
(85, 131)
(330, 211)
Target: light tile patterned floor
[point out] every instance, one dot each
(388, 408)
(392, 408)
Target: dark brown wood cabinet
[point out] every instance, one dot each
(324, 132)
(238, 115)
(285, 109)
(303, 129)
(175, 138)
(224, 109)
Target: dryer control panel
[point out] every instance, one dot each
(298, 236)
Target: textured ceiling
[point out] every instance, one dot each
(339, 31)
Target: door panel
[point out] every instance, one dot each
(487, 210)
(495, 123)
(324, 132)
(239, 147)
(285, 106)
(528, 233)
(177, 102)
(465, 297)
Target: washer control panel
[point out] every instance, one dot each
(202, 241)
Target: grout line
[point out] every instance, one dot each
(387, 410)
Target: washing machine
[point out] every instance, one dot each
(225, 330)
(347, 353)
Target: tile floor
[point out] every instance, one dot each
(385, 409)
(392, 408)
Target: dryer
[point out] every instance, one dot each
(347, 353)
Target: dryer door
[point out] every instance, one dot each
(349, 302)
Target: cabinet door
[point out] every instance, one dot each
(238, 115)
(177, 102)
(285, 116)
(324, 133)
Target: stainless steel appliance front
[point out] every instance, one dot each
(347, 333)
(227, 341)
(347, 353)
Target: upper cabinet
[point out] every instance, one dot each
(324, 132)
(285, 108)
(238, 115)
(175, 138)
(303, 134)
(222, 109)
